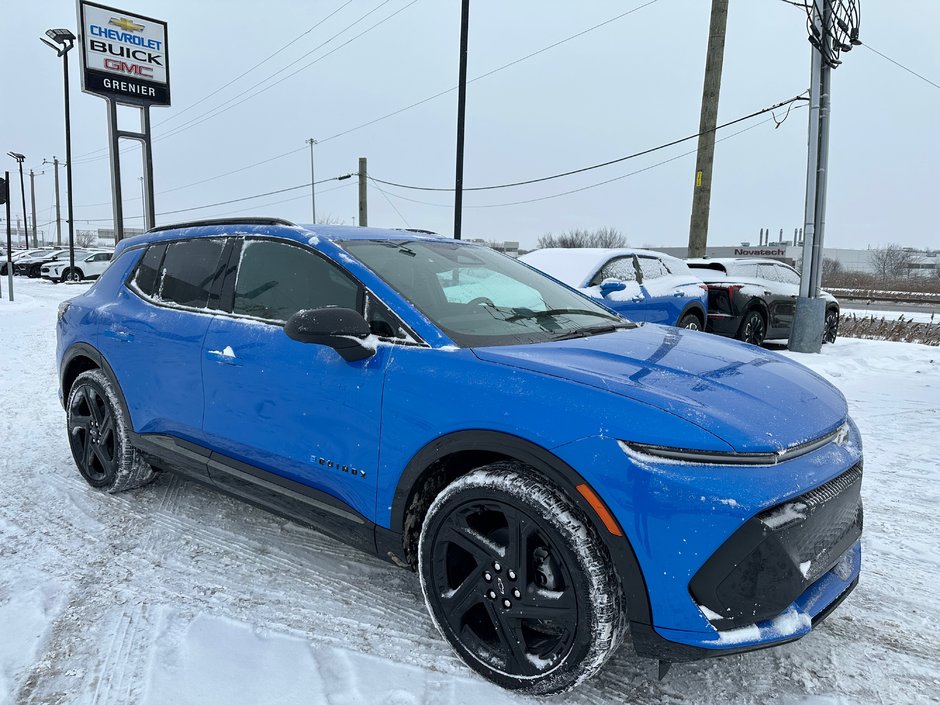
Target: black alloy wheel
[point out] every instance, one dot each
(93, 435)
(753, 329)
(690, 321)
(98, 436)
(831, 328)
(512, 584)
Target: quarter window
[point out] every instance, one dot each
(275, 280)
(188, 271)
(145, 279)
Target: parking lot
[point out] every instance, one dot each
(177, 594)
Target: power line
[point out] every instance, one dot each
(420, 102)
(490, 73)
(900, 65)
(644, 152)
(394, 207)
(229, 104)
(589, 186)
(225, 203)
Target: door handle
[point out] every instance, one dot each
(678, 293)
(223, 357)
(118, 334)
(637, 299)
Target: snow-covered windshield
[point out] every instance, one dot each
(480, 297)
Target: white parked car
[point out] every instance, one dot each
(88, 265)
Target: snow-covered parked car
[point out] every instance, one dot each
(755, 299)
(642, 285)
(88, 265)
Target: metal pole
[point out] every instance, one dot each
(313, 195)
(32, 203)
(363, 193)
(68, 161)
(25, 216)
(822, 180)
(150, 216)
(812, 166)
(9, 242)
(114, 144)
(461, 117)
(58, 205)
(702, 192)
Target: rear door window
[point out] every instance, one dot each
(189, 268)
(652, 268)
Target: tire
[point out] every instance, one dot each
(98, 436)
(831, 326)
(538, 613)
(690, 321)
(35, 271)
(753, 328)
(73, 275)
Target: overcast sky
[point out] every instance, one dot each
(627, 86)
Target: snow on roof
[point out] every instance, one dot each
(576, 266)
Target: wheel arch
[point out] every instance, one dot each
(446, 458)
(698, 309)
(82, 357)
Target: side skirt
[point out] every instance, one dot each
(261, 488)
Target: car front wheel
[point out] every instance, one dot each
(72, 275)
(517, 580)
(98, 436)
(753, 329)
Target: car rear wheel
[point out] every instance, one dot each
(517, 580)
(690, 321)
(831, 327)
(753, 328)
(98, 436)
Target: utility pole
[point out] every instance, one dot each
(32, 201)
(20, 158)
(313, 188)
(58, 202)
(702, 192)
(461, 117)
(363, 193)
(832, 31)
(5, 193)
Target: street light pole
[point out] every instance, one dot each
(20, 158)
(313, 188)
(66, 40)
(58, 202)
(461, 117)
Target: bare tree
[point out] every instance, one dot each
(602, 237)
(85, 238)
(329, 220)
(831, 267)
(891, 261)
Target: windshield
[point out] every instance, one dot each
(480, 297)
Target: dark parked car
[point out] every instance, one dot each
(557, 476)
(755, 299)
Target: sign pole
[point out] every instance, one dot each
(147, 149)
(9, 238)
(114, 147)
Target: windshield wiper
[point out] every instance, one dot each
(593, 330)
(552, 312)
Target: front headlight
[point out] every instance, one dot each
(644, 452)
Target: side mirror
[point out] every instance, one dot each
(342, 329)
(608, 286)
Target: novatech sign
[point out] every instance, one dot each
(754, 252)
(124, 56)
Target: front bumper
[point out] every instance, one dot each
(682, 521)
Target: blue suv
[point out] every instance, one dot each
(558, 476)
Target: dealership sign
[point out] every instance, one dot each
(124, 55)
(754, 252)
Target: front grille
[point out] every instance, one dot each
(775, 556)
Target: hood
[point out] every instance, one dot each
(753, 399)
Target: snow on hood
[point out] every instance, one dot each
(753, 399)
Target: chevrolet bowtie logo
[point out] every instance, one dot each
(126, 24)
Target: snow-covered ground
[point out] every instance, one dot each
(177, 594)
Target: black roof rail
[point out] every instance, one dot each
(223, 221)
